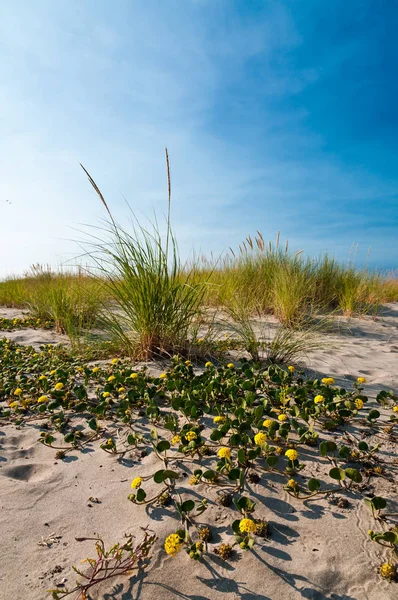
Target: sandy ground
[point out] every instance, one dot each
(315, 551)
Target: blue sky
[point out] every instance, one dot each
(277, 116)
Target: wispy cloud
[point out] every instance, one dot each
(228, 88)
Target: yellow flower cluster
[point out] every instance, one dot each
(136, 483)
(387, 570)
(291, 368)
(191, 435)
(292, 484)
(267, 423)
(282, 417)
(359, 403)
(319, 399)
(395, 408)
(327, 381)
(14, 404)
(111, 378)
(175, 440)
(134, 376)
(59, 386)
(163, 375)
(224, 453)
(247, 526)
(230, 365)
(42, 399)
(219, 419)
(291, 454)
(361, 380)
(96, 369)
(18, 392)
(173, 544)
(208, 364)
(106, 394)
(114, 361)
(260, 438)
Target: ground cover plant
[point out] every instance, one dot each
(216, 430)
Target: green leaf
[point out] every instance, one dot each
(271, 460)
(234, 474)
(159, 476)
(337, 473)
(163, 446)
(373, 415)
(258, 413)
(235, 439)
(314, 484)
(378, 502)
(235, 526)
(363, 446)
(326, 447)
(69, 437)
(241, 456)
(344, 452)
(187, 506)
(216, 435)
(141, 495)
(170, 474)
(93, 424)
(209, 474)
(391, 537)
(354, 474)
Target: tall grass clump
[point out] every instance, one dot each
(156, 299)
(71, 300)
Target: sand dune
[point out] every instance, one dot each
(316, 550)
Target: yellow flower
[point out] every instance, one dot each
(219, 419)
(173, 544)
(42, 399)
(18, 392)
(327, 381)
(291, 483)
(106, 394)
(58, 386)
(175, 440)
(247, 526)
(208, 364)
(282, 418)
(114, 361)
(163, 375)
(121, 390)
(96, 369)
(395, 408)
(359, 403)
(224, 453)
(42, 377)
(291, 368)
(53, 372)
(136, 483)
(191, 435)
(291, 454)
(111, 378)
(14, 404)
(230, 365)
(387, 570)
(319, 399)
(260, 438)
(188, 363)
(267, 423)
(361, 380)
(193, 480)
(134, 376)
(109, 442)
